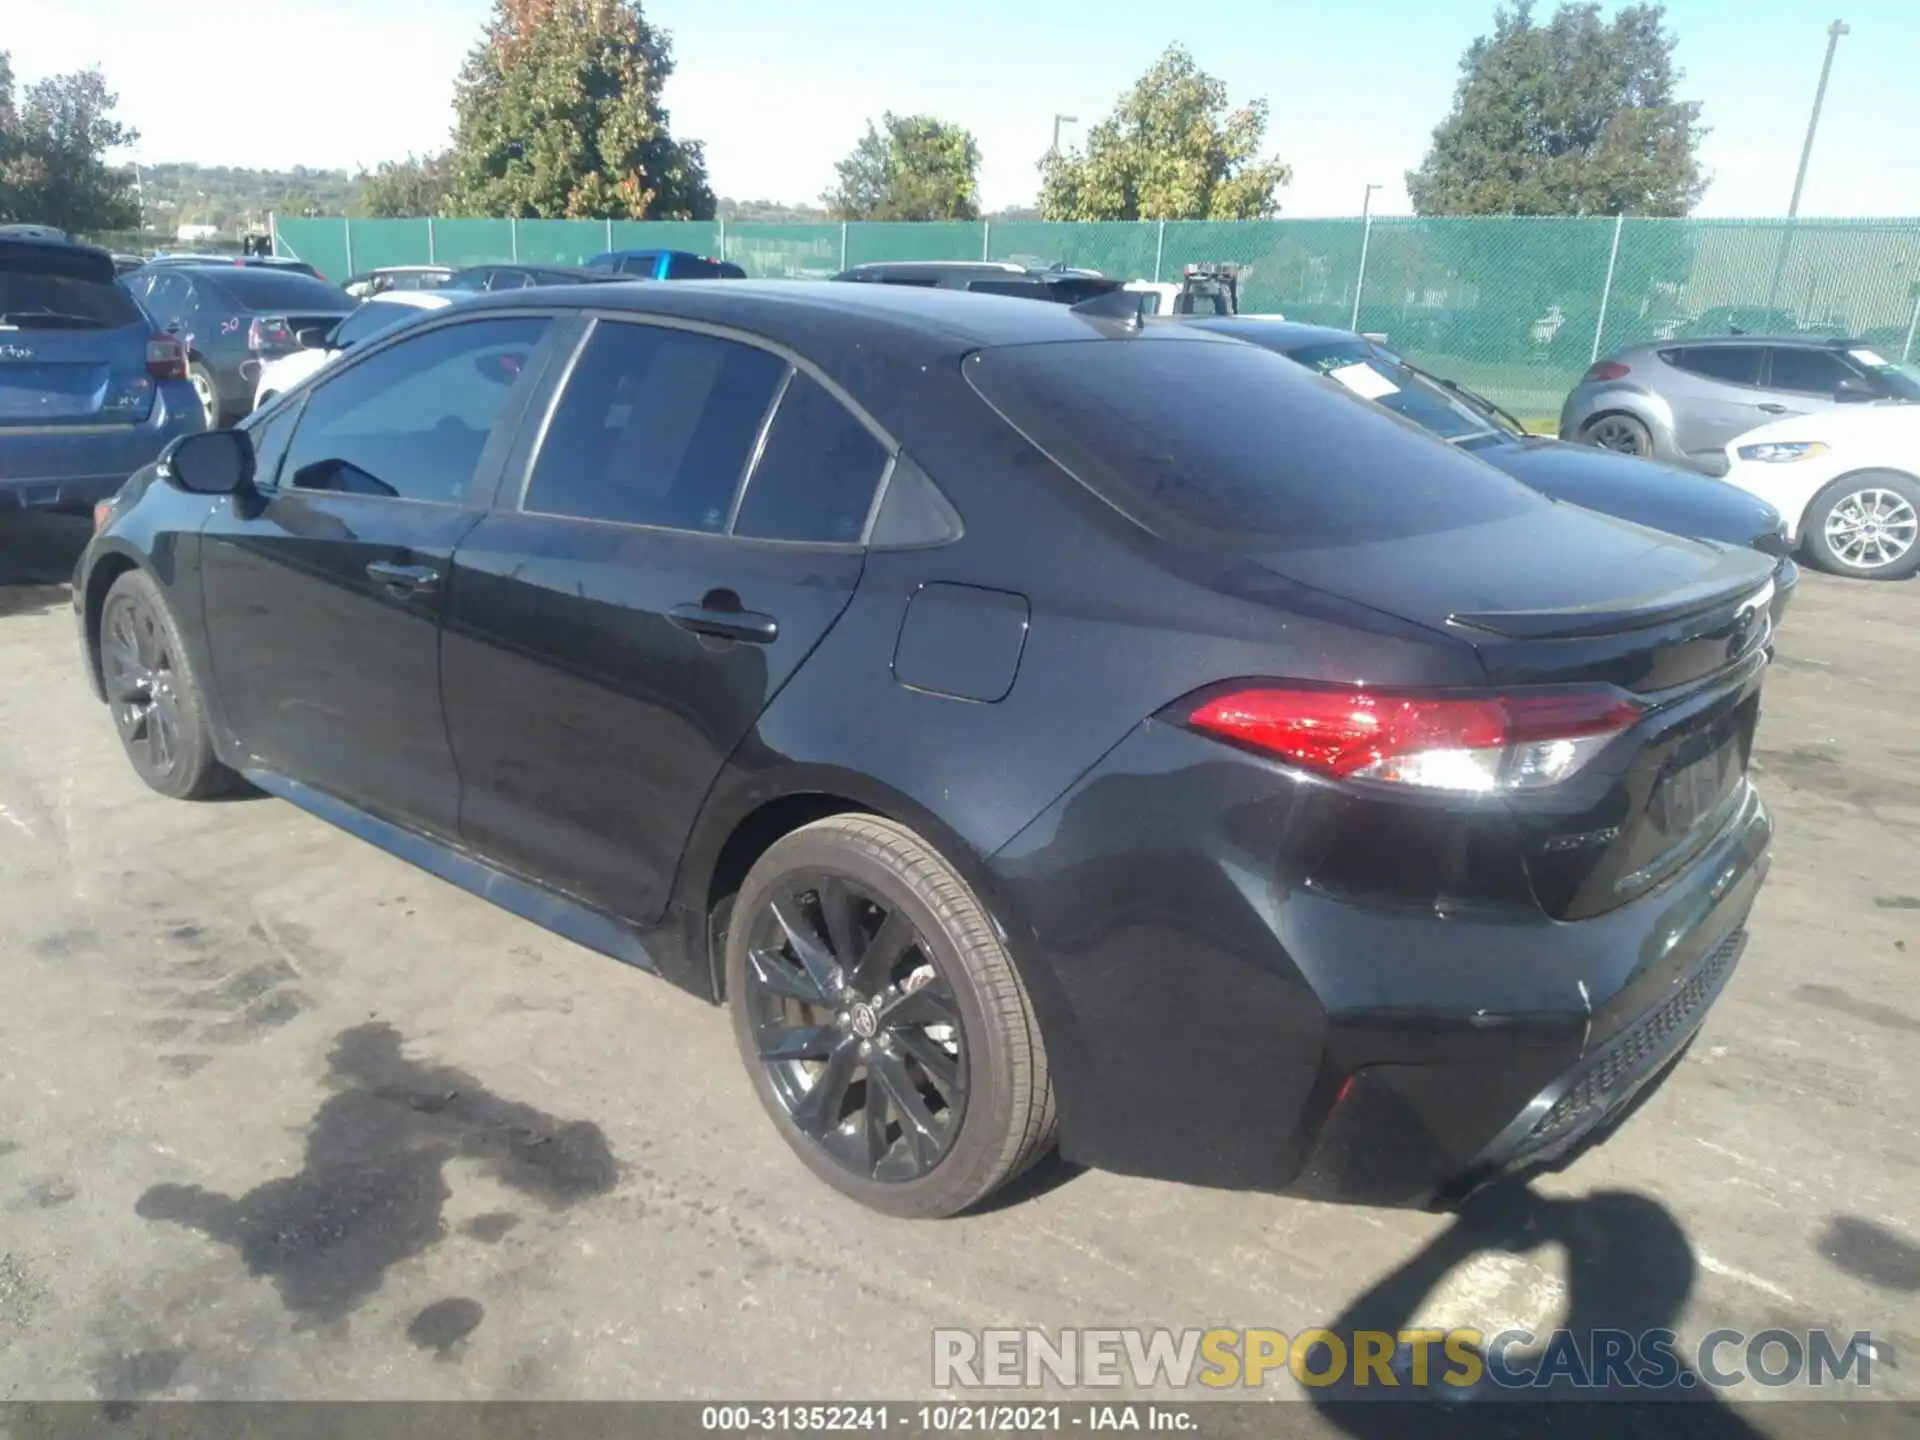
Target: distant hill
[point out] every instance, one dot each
(237, 199)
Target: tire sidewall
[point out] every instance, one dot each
(1833, 494)
(198, 370)
(188, 772)
(977, 1151)
(1640, 428)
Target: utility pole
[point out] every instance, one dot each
(1834, 32)
(1058, 121)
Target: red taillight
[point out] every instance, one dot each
(1521, 740)
(1606, 370)
(166, 359)
(269, 332)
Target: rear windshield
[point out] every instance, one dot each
(258, 288)
(34, 301)
(1228, 445)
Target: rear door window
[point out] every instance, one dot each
(816, 477)
(1734, 364)
(1809, 372)
(411, 422)
(1229, 446)
(656, 426)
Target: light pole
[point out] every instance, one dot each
(1366, 235)
(1834, 32)
(1058, 121)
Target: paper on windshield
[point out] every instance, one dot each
(1364, 381)
(1871, 358)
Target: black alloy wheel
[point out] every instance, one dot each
(1620, 433)
(156, 703)
(857, 1030)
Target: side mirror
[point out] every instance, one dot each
(312, 337)
(1853, 390)
(213, 462)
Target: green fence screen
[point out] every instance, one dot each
(1514, 307)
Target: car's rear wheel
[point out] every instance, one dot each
(1621, 433)
(884, 1025)
(1867, 526)
(157, 705)
(207, 392)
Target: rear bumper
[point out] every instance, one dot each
(1229, 998)
(70, 469)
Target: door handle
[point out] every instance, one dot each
(403, 581)
(1771, 408)
(726, 624)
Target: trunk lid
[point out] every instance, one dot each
(1561, 597)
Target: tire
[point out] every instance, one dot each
(208, 390)
(950, 1008)
(1866, 526)
(1620, 433)
(158, 706)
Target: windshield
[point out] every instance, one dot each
(1376, 375)
(1898, 380)
(38, 301)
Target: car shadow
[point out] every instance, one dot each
(38, 551)
(31, 599)
(1629, 1267)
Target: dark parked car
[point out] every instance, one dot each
(986, 277)
(90, 391)
(1681, 401)
(265, 262)
(1642, 491)
(518, 277)
(233, 319)
(666, 265)
(1295, 803)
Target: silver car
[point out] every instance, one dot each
(1682, 400)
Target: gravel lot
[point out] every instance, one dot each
(283, 1117)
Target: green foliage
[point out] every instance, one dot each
(1575, 116)
(398, 188)
(1171, 150)
(53, 148)
(560, 117)
(914, 168)
(238, 199)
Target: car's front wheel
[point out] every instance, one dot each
(882, 1020)
(158, 707)
(1866, 526)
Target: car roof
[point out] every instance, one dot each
(815, 315)
(1802, 342)
(948, 267)
(1274, 334)
(71, 257)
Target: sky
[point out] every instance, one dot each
(778, 91)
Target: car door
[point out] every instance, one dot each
(323, 591)
(686, 529)
(1804, 380)
(1715, 396)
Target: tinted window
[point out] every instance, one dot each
(1736, 364)
(928, 282)
(1900, 381)
(35, 300)
(1024, 289)
(270, 435)
(816, 478)
(411, 421)
(1815, 372)
(655, 427)
(370, 319)
(1358, 367)
(1232, 446)
(509, 280)
(259, 288)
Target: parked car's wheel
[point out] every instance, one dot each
(884, 1025)
(1619, 432)
(1866, 525)
(157, 705)
(207, 391)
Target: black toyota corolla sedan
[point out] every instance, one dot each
(1033, 726)
(1644, 491)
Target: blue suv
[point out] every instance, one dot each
(666, 265)
(90, 390)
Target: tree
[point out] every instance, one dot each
(400, 188)
(1576, 116)
(559, 115)
(53, 149)
(1171, 150)
(914, 168)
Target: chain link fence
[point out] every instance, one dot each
(1513, 307)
